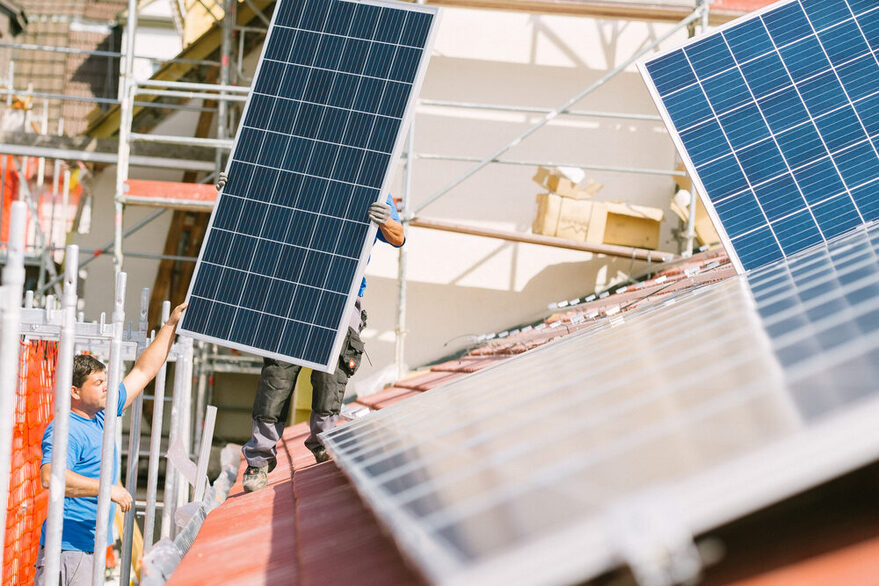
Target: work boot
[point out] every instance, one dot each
(320, 454)
(255, 478)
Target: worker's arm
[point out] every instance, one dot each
(77, 485)
(152, 359)
(392, 230)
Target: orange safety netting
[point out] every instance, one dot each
(9, 184)
(28, 501)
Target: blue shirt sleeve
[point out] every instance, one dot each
(72, 447)
(123, 396)
(395, 216)
(47, 444)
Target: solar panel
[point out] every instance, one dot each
(289, 237)
(777, 118)
(690, 413)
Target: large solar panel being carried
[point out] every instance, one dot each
(289, 238)
(777, 118)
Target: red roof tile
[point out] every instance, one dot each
(307, 527)
(466, 364)
(428, 380)
(856, 564)
(253, 535)
(319, 531)
(386, 397)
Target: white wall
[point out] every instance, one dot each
(156, 37)
(461, 285)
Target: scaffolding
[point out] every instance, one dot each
(115, 343)
(110, 340)
(206, 156)
(128, 192)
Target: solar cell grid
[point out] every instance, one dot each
(777, 116)
(288, 236)
(777, 359)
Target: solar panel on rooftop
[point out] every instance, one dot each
(758, 382)
(289, 237)
(777, 118)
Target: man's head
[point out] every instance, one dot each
(89, 392)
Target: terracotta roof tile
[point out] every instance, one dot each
(328, 508)
(258, 520)
(428, 380)
(321, 533)
(385, 397)
(307, 527)
(466, 364)
(395, 399)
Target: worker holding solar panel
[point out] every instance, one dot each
(88, 398)
(278, 379)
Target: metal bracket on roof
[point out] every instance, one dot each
(652, 539)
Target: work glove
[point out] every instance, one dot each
(379, 212)
(221, 180)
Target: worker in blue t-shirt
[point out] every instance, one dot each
(88, 399)
(278, 379)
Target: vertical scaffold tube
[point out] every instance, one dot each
(63, 382)
(176, 428)
(185, 422)
(133, 456)
(10, 306)
(155, 447)
(108, 447)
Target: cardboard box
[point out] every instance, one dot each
(631, 225)
(564, 184)
(705, 231)
(597, 222)
(549, 208)
(576, 219)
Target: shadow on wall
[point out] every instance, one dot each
(504, 193)
(444, 319)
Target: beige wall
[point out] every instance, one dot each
(463, 285)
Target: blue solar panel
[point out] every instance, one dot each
(777, 118)
(775, 360)
(288, 239)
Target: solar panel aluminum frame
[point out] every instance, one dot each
(408, 112)
(806, 457)
(698, 504)
(679, 144)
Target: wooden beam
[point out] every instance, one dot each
(106, 124)
(606, 249)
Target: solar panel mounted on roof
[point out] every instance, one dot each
(675, 419)
(289, 237)
(777, 118)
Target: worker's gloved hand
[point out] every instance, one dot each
(380, 212)
(222, 178)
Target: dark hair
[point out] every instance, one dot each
(83, 366)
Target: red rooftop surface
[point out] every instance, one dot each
(310, 527)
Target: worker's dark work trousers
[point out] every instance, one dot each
(275, 391)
